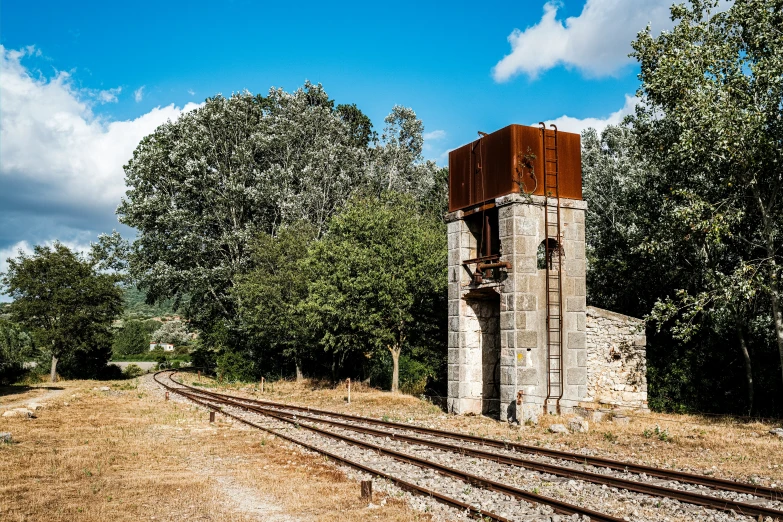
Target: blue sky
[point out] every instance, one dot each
(82, 82)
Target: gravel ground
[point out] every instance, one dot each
(704, 490)
(616, 502)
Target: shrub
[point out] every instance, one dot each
(132, 370)
(132, 338)
(233, 367)
(16, 346)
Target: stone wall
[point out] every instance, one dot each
(616, 360)
(478, 356)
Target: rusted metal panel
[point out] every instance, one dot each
(502, 162)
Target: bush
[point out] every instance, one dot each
(234, 367)
(132, 370)
(414, 376)
(15, 348)
(132, 338)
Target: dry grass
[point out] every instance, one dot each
(722, 447)
(128, 455)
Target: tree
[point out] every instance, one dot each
(397, 163)
(201, 188)
(65, 303)
(273, 295)
(131, 339)
(16, 347)
(710, 121)
(380, 275)
(174, 332)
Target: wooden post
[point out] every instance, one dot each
(167, 395)
(349, 397)
(212, 416)
(367, 490)
(199, 376)
(262, 384)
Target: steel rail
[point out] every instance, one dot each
(708, 501)
(403, 484)
(558, 506)
(679, 476)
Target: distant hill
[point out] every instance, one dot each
(136, 306)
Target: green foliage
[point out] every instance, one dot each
(234, 367)
(710, 125)
(152, 356)
(286, 157)
(132, 370)
(658, 433)
(66, 305)
(381, 279)
(136, 305)
(132, 338)
(16, 347)
(272, 296)
(172, 332)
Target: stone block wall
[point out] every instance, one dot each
(616, 360)
(520, 313)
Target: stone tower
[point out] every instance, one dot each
(517, 294)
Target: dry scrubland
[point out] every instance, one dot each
(128, 455)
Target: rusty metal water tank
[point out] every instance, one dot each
(512, 160)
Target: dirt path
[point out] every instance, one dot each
(248, 501)
(37, 395)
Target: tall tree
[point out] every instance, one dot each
(380, 277)
(397, 163)
(201, 188)
(65, 303)
(710, 120)
(273, 295)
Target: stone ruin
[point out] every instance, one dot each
(519, 326)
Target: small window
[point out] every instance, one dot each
(555, 252)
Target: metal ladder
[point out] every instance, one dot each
(554, 269)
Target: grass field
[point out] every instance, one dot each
(128, 455)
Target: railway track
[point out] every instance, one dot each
(348, 426)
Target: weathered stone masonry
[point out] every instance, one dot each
(616, 360)
(497, 329)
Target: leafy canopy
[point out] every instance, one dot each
(380, 275)
(66, 304)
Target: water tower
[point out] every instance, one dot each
(517, 305)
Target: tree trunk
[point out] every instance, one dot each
(395, 353)
(776, 314)
(748, 369)
(299, 375)
(53, 374)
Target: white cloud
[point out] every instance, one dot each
(596, 42)
(60, 164)
(138, 94)
(191, 92)
(429, 137)
(434, 135)
(109, 95)
(570, 124)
